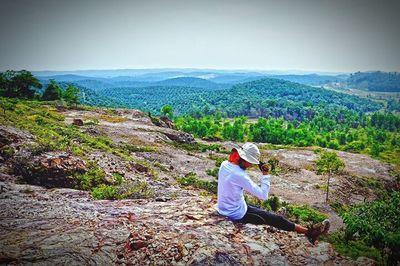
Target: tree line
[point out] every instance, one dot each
(22, 84)
(349, 131)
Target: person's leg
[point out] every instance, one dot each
(256, 215)
(300, 229)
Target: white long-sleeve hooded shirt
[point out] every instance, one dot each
(232, 181)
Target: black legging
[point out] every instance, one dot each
(256, 215)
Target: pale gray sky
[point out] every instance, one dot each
(320, 35)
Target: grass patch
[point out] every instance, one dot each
(353, 248)
(162, 167)
(192, 180)
(105, 117)
(135, 190)
(51, 133)
(93, 177)
(368, 182)
(125, 190)
(104, 192)
(113, 119)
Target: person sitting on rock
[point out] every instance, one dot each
(233, 181)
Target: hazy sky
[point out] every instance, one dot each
(320, 35)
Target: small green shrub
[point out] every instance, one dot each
(104, 192)
(274, 163)
(213, 172)
(376, 223)
(274, 202)
(92, 178)
(257, 202)
(305, 213)
(118, 178)
(110, 111)
(77, 151)
(318, 150)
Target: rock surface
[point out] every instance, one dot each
(65, 226)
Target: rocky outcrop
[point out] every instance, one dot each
(52, 169)
(10, 136)
(166, 122)
(180, 137)
(64, 226)
(12, 142)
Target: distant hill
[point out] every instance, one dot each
(276, 97)
(375, 81)
(312, 79)
(142, 78)
(67, 78)
(248, 93)
(266, 97)
(95, 83)
(190, 82)
(234, 78)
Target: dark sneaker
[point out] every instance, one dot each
(316, 230)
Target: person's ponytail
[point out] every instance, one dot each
(234, 157)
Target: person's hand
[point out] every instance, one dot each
(264, 168)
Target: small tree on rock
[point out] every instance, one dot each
(329, 163)
(168, 111)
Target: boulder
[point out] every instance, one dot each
(180, 137)
(77, 122)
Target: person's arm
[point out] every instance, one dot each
(247, 184)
